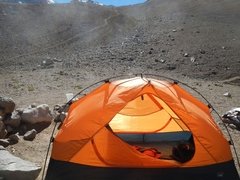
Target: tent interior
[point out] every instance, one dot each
(151, 127)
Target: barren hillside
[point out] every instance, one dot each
(147, 34)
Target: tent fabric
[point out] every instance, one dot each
(84, 139)
(112, 152)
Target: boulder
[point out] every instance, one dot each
(37, 114)
(6, 106)
(30, 135)
(3, 131)
(14, 120)
(232, 117)
(4, 143)
(9, 129)
(12, 167)
(23, 129)
(13, 138)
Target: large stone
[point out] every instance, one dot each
(4, 143)
(14, 120)
(30, 135)
(12, 167)
(9, 129)
(22, 129)
(37, 114)
(6, 106)
(13, 138)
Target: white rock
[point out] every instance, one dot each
(162, 61)
(12, 167)
(232, 117)
(227, 94)
(38, 114)
(193, 59)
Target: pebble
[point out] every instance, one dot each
(227, 94)
(162, 60)
(193, 59)
(202, 51)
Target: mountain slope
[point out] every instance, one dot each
(28, 1)
(199, 39)
(31, 28)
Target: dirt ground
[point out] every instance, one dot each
(48, 51)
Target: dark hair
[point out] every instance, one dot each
(183, 152)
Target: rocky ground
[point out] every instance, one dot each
(50, 50)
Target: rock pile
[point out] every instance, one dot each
(22, 121)
(14, 123)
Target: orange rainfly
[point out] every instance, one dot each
(138, 127)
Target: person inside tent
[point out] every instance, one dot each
(183, 151)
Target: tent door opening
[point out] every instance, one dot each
(150, 126)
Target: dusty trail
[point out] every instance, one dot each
(65, 42)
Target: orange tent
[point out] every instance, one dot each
(99, 136)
